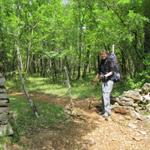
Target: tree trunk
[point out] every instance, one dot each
(20, 68)
(86, 64)
(27, 61)
(79, 53)
(147, 26)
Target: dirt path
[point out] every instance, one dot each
(91, 132)
(118, 134)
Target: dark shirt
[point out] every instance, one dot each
(105, 67)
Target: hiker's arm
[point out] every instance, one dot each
(111, 69)
(108, 74)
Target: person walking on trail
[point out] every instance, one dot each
(105, 73)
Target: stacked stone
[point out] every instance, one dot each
(133, 100)
(4, 109)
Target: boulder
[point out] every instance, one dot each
(6, 130)
(146, 88)
(147, 98)
(127, 99)
(121, 110)
(133, 94)
(123, 103)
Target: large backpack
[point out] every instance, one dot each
(116, 74)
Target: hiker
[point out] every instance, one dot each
(105, 74)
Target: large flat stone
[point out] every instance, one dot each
(123, 103)
(127, 99)
(2, 90)
(2, 81)
(4, 110)
(121, 110)
(4, 103)
(3, 96)
(6, 130)
(146, 88)
(135, 95)
(4, 118)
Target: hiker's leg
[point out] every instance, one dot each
(107, 88)
(102, 107)
(105, 97)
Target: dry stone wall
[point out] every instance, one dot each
(5, 128)
(133, 101)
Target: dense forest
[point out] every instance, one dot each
(50, 34)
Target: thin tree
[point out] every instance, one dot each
(20, 68)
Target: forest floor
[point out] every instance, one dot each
(87, 131)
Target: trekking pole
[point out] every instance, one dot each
(113, 48)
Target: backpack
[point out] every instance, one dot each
(116, 74)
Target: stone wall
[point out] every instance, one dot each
(133, 101)
(5, 128)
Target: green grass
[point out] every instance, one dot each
(80, 89)
(24, 120)
(3, 141)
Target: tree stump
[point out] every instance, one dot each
(5, 127)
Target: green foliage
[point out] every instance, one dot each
(124, 1)
(3, 142)
(134, 83)
(145, 74)
(53, 30)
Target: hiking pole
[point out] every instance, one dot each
(113, 49)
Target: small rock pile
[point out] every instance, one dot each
(133, 101)
(5, 128)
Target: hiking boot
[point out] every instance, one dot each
(106, 116)
(102, 113)
(105, 113)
